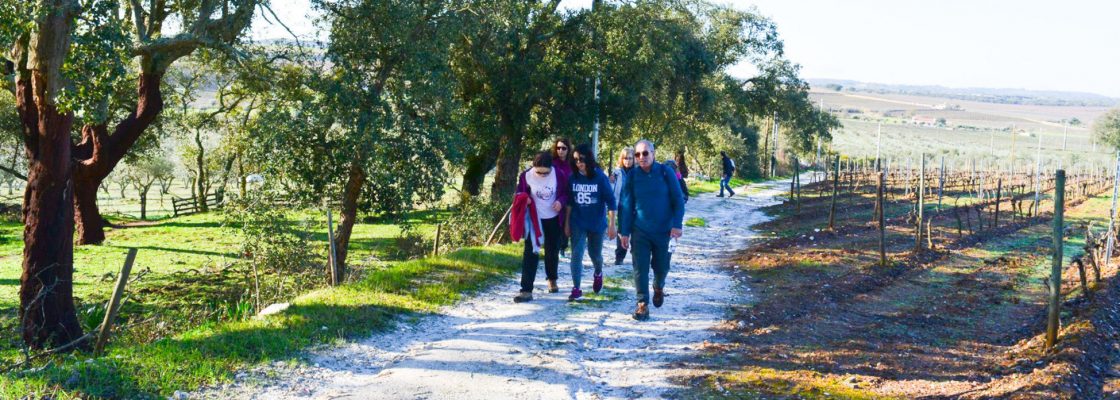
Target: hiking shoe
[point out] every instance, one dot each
(523, 297)
(598, 285)
(576, 293)
(552, 288)
(618, 261)
(642, 313)
(731, 195)
(719, 195)
(658, 297)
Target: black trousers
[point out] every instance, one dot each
(530, 259)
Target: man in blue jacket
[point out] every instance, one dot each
(651, 212)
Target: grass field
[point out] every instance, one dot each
(982, 131)
(173, 318)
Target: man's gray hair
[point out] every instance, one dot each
(647, 142)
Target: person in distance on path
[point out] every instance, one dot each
(591, 208)
(618, 179)
(728, 169)
(650, 214)
(547, 192)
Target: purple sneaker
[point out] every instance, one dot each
(598, 285)
(576, 293)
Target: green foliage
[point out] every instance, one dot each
(274, 248)
(1106, 129)
(382, 108)
(471, 222)
(97, 62)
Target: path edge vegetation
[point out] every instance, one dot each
(211, 353)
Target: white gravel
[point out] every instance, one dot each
(488, 347)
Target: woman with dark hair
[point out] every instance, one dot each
(538, 202)
(682, 168)
(561, 156)
(590, 211)
(562, 163)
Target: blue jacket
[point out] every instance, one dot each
(651, 202)
(590, 198)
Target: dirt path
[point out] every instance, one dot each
(489, 347)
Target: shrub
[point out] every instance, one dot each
(276, 251)
(471, 222)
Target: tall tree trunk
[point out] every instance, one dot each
(477, 166)
(200, 181)
(350, 197)
(509, 159)
(144, 201)
(90, 225)
(47, 314)
(227, 170)
(99, 152)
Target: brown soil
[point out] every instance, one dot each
(960, 321)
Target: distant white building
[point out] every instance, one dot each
(923, 120)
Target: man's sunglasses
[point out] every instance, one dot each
(642, 154)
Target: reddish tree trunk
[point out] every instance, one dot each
(87, 217)
(99, 153)
(47, 314)
(350, 197)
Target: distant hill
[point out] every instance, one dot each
(987, 95)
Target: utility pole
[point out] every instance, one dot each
(595, 5)
(774, 148)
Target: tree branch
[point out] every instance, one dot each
(138, 20)
(13, 173)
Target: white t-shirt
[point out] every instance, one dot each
(543, 189)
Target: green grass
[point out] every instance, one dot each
(209, 354)
(766, 383)
(696, 222)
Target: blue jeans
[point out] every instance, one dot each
(725, 183)
(649, 252)
(593, 241)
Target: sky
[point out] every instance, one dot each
(1027, 44)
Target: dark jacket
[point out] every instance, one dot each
(590, 198)
(728, 166)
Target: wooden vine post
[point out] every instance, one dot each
(1055, 286)
(1112, 213)
(921, 205)
(835, 187)
(882, 221)
(941, 183)
(999, 190)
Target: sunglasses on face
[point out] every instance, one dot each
(539, 173)
(642, 154)
(579, 159)
(565, 148)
